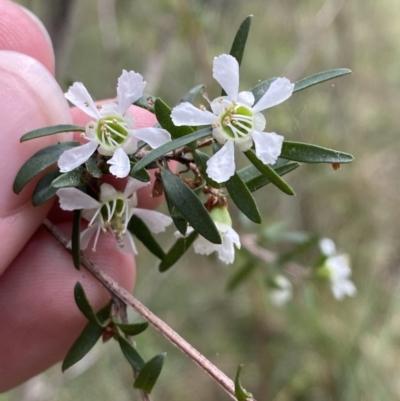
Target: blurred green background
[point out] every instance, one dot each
(319, 350)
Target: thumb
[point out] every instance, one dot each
(30, 98)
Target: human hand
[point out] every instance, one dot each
(39, 320)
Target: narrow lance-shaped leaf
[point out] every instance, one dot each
(190, 206)
(131, 354)
(137, 227)
(149, 373)
(176, 251)
(269, 173)
(305, 153)
(55, 129)
(39, 162)
(84, 306)
(86, 340)
(163, 114)
(170, 146)
(71, 179)
(132, 329)
(189, 97)
(44, 191)
(240, 392)
(243, 198)
(259, 180)
(320, 77)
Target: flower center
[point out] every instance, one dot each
(114, 217)
(112, 131)
(237, 122)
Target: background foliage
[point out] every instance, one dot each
(315, 348)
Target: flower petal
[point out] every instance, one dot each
(226, 73)
(73, 158)
(79, 96)
(129, 89)
(268, 146)
(133, 185)
(155, 221)
(120, 164)
(221, 166)
(186, 114)
(203, 246)
(280, 90)
(246, 97)
(128, 245)
(327, 246)
(155, 137)
(342, 288)
(86, 235)
(74, 199)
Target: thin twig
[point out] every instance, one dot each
(224, 381)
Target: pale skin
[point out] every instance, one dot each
(38, 317)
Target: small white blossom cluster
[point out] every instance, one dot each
(235, 119)
(336, 268)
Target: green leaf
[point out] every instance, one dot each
(71, 179)
(131, 354)
(163, 114)
(86, 340)
(76, 239)
(149, 373)
(243, 198)
(170, 146)
(305, 153)
(189, 97)
(240, 392)
(132, 329)
(201, 162)
(320, 77)
(258, 181)
(176, 251)
(55, 129)
(146, 102)
(179, 221)
(239, 43)
(240, 275)
(137, 227)
(93, 169)
(84, 306)
(190, 206)
(39, 162)
(44, 191)
(269, 173)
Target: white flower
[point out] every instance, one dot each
(339, 272)
(111, 214)
(112, 129)
(282, 290)
(226, 250)
(236, 119)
